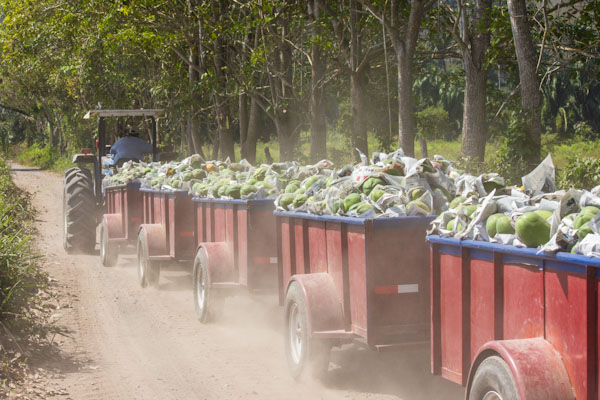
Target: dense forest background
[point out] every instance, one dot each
(236, 73)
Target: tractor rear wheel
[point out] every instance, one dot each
(79, 212)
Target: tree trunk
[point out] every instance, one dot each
(406, 118)
(221, 102)
(404, 40)
(244, 121)
(475, 41)
(252, 133)
(285, 125)
(358, 82)
(531, 96)
(474, 117)
(318, 124)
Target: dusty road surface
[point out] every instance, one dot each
(131, 343)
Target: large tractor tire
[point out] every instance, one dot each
(79, 212)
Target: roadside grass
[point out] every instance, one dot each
(23, 311)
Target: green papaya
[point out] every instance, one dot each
(286, 199)
(457, 201)
(291, 188)
(419, 204)
(504, 225)
(376, 194)
(233, 191)
(451, 224)
(490, 224)
(310, 181)
(532, 229)
(299, 200)
(417, 193)
(583, 231)
(544, 213)
(248, 189)
(363, 208)
(370, 183)
(350, 200)
(336, 206)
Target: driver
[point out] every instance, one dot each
(129, 147)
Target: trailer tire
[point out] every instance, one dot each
(109, 253)
(493, 381)
(302, 351)
(207, 302)
(148, 270)
(79, 212)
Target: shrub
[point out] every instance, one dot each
(513, 159)
(434, 123)
(580, 173)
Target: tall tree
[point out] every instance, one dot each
(402, 22)
(318, 122)
(471, 31)
(531, 95)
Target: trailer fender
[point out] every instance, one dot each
(113, 223)
(536, 366)
(323, 308)
(219, 261)
(156, 239)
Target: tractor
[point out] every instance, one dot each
(83, 198)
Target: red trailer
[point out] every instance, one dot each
(508, 323)
(236, 249)
(343, 278)
(121, 221)
(167, 233)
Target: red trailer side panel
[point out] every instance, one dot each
(451, 317)
(300, 247)
(334, 257)
(317, 246)
(482, 304)
(523, 301)
(242, 244)
(566, 323)
(357, 269)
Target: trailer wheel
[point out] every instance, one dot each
(493, 381)
(148, 270)
(79, 212)
(302, 351)
(109, 253)
(207, 301)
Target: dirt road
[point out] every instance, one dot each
(131, 343)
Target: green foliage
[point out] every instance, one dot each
(20, 278)
(37, 155)
(580, 173)
(513, 158)
(433, 123)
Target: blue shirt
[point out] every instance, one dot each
(130, 147)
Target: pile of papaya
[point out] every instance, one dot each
(487, 210)
(387, 185)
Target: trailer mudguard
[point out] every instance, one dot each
(156, 239)
(219, 261)
(536, 366)
(113, 224)
(323, 307)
